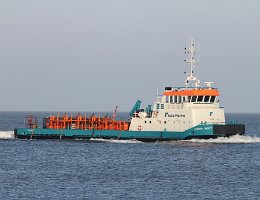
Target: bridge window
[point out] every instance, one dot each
(212, 99)
(194, 98)
(189, 98)
(206, 98)
(157, 106)
(162, 106)
(179, 99)
(200, 98)
(167, 99)
(175, 99)
(171, 99)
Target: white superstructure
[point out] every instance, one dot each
(182, 108)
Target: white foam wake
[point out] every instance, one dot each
(231, 139)
(115, 141)
(6, 134)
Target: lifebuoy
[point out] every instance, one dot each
(139, 128)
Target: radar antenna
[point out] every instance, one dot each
(191, 51)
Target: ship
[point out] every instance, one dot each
(180, 113)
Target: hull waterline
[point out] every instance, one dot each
(200, 131)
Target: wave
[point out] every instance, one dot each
(115, 141)
(226, 140)
(6, 134)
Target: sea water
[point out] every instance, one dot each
(222, 168)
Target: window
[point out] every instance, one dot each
(183, 99)
(175, 99)
(165, 122)
(212, 99)
(189, 97)
(157, 106)
(200, 98)
(206, 98)
(167, 99)
(171, 99)
(150, 122)
(162, 106)
(179, 99)
(194, 98)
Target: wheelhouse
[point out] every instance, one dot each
(190, 95)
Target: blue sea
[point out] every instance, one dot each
(222, 168)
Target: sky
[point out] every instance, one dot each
(92, 55)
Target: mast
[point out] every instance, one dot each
(191, 60)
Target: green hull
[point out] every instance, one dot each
(200, 131)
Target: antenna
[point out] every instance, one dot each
(191, 60)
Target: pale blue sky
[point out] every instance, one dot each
(91, 55)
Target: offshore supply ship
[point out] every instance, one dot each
(179, 113)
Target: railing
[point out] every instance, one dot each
(189, 88)
(84, 122)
